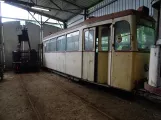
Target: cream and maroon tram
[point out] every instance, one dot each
(111, 50)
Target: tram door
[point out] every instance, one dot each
(121, 56)
(104, 33)
(89, 54)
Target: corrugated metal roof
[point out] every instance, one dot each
(119, 5)
(111, 6)
(61, 10)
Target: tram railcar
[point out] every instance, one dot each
(111, 50)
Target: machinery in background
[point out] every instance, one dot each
(1, 72)
(1, 61)
(25, 60)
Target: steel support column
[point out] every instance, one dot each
(158, 23)
(85, 14)
(41, 26)
(65, 25)
(41, 40)
(41, 30)
(46, 21)
(1, 40)
(34, 18)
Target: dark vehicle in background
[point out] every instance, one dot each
(1, 72)
(25, 60)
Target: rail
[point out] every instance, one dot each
(38, 115)
(82, 99)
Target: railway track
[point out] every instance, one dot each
(58, 81)
(137, 93)
(78, 97)
(35, 110)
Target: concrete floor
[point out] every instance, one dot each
(45, 96)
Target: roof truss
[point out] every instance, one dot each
(75, 9)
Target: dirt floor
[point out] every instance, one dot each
(46, 96)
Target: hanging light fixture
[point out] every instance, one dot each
(40, 8)
(33, 6)
(2, 1)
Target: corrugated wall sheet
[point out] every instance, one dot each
(119, 5)
(111, 6)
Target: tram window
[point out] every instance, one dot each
(73, 41)
(145, 37)
(53, 45)
(61, 43)
(105, 36)
(122, 36)
(89, 39)
(86, 40)
(47, 46)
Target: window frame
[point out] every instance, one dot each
(130, 34)
(109, 38)
(84, 31)
(50, 45)
(47, 47)
(60, 40)
(142, 24)
(52, 42)
(78, 40)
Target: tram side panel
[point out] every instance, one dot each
(60, 62)
(67, 63)
(141, 66)
(74, 59)
(122, 70)
(88, 66)
(73, 63)
(50, 60)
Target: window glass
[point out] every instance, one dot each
(49, 46)
(105, 37)
(45, 46)
(73, 41)
(58, 45)
(86, 40)
(145, 37)
(61, 43)
(122, 36)
(89, 39)
(53, 45)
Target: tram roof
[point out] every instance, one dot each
(105, 17)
